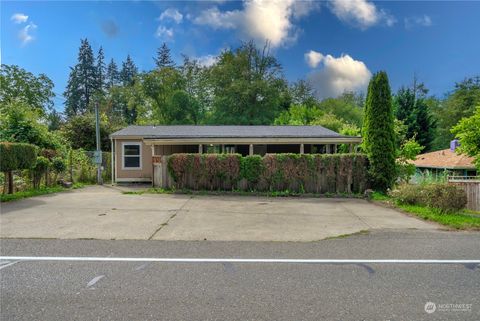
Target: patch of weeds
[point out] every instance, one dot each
(460, 220)
(35, 192)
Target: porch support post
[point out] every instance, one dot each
(112, 149)
(200, 149)
(250, 149)
(328, 148)
(334, 148)
(350, 148)
(302, 149)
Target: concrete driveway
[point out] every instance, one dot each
(105, 213)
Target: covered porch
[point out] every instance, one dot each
(254, 146)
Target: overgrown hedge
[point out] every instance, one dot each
(14, 156)
(307, 173)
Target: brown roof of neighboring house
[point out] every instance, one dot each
(446, 159)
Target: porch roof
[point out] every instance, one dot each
(187, 132)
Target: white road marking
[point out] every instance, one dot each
(234, 260)
(95, 280)
(8, 264)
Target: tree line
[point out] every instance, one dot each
(244, 86)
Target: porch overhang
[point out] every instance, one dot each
(252, 140)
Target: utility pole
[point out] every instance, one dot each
(98, 152)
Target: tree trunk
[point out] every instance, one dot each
(9, 177)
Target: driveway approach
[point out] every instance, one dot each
(105, 213)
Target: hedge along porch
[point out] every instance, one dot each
(307, 173)
(138, 150)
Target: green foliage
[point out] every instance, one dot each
(407, 153)
(58, 165)
(20, 124)
(15, 156)
(378, 133)
(248, 87)
(446, 198)
(459, 104)
(80, 131)
(298, 115)
(468, 133)
(20, 86)
(307, 173)
(252, 168)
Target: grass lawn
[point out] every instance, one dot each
(462, 220)
(36, 192)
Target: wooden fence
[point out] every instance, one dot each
(471, 186)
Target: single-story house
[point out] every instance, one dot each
(135, 149)
(445, 161)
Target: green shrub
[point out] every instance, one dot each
(16, 156)
(408, 194)
(58, 165)
(252, 168)
(446, 198)
(41, 166)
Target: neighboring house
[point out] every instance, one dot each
(445, 162)
(135, 148)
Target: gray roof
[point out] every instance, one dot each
(225, 131)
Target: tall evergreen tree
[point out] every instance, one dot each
(82, 83)
(112, 75)
(424, 125)
(378, 135)
(164, 59)
(101, 70)
(405, 109)
(74, 103)
(128, 72)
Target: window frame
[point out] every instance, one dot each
(139, 144)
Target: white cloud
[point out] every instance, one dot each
(25, 33)
(171, 14)
(207, 60)
(261, 20)
(423, 21)
(164, 33)
(19, 18)
(313, 58)
(338, 75)
(360, 12)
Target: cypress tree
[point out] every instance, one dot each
(112, 76)
(164, 59)
(379, 136)
(128, 72)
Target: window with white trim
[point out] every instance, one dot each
(132, 156)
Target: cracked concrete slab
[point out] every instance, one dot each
(98, 212)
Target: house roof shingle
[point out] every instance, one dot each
(445, 159)
(225, 131)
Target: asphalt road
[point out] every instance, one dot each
(34, 290)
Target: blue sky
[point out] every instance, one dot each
(336, 45)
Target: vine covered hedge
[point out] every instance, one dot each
(306, 173)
